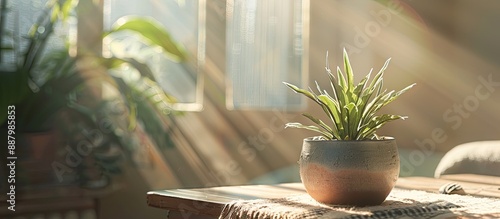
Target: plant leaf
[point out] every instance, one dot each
(310, 127)
(376, 123)
(306, 93)
(327, 128)
(348, 72)
(153, 32)
(334, 112)
(342, 82)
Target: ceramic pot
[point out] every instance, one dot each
(356, 173)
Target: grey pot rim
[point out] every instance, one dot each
(312, 139)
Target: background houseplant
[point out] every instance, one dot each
(62, 99)
(349, 163)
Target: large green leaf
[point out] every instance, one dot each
(153, 32)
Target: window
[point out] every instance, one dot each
(266, 45)
(185, 21)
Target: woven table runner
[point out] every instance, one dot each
(399, 204)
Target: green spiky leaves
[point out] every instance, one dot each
(351, 108)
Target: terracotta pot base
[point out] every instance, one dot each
(346, 187)
(356, 173)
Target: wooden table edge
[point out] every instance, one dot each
(186, 206)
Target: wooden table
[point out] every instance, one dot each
(208, 202)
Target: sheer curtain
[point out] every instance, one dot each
(266, 45)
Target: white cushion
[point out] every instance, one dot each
(482, 157)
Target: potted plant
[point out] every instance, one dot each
(349, 164)
(50, 90)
